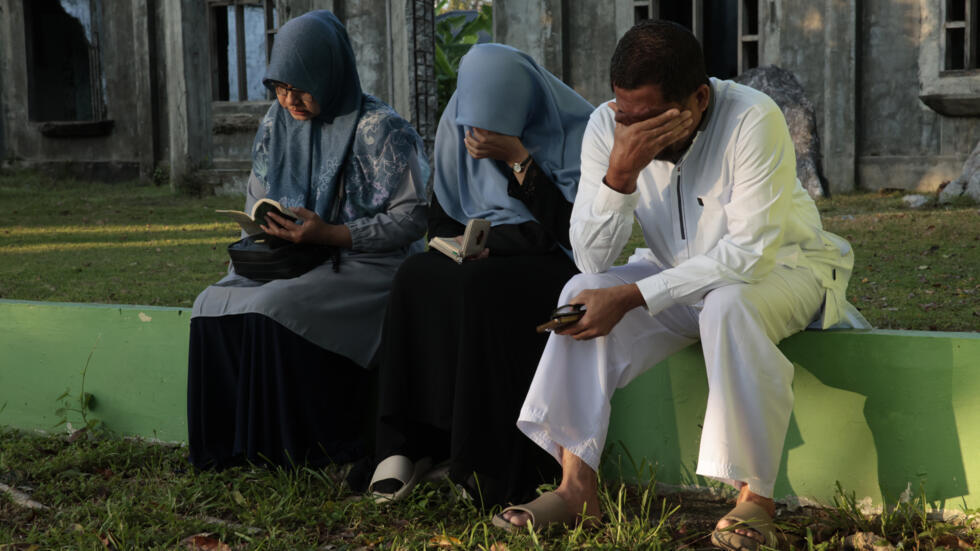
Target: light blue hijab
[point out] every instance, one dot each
(504, 90)
(355, 138)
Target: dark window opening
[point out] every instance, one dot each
(64, 66)
(749, 36)
(242, 32)
(961, 35)
(680, 12)
(956, 10)
(750, 55)
(720, 38)
(714, 22)
(956, 48)
(750, 17)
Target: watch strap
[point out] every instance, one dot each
(519, 167)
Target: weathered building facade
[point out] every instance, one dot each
(894, 83)
(120, 89)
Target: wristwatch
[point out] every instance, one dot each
(519, 167)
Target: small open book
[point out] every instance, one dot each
(250, 223)
(473, 242)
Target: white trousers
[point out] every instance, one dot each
(750, 397)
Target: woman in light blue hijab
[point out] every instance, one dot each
(460, 345)
(277, 370)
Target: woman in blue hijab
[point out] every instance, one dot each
(277, 370)
(460, 345)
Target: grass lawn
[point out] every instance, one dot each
(123, 244)
(111, 243)
(913, 269)
(108, 493)
(75, 242)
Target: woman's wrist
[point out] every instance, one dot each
(337, 235)
(518, 153)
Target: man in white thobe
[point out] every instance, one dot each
(736, 257)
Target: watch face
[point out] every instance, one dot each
(517, 167)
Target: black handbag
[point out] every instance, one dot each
(264, 257)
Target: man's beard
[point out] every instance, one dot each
(673, 152)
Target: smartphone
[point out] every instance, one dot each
(563, 316)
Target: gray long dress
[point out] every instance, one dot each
(339, 311)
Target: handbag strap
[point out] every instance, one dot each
(335, 213)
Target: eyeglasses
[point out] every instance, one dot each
(283, 90)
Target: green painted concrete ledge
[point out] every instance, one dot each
(878, 411)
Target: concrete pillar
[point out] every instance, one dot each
(593, 28)
(574, 39)
(840, 86)
(535, 28)
(188, 94)
(13, 91)
(143, 88)
(368, 26)
(769, 24)
(3, 70)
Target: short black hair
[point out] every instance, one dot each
(662, 53)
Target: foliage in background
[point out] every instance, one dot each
(453, 5)
(454, 37)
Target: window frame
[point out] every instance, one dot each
(220, 86)
(747, 39)
(99, 124)
(949, 92)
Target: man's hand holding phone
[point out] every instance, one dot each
(602, 310)
(563, 316)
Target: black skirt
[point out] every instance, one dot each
(258, 392)
(458, 354)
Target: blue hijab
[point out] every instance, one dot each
(503, 90)
(356, 138)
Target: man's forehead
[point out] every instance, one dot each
(638, 113)
(641, 103)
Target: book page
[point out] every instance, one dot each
(244, 221)
(448, 247)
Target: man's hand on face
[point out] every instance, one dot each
(603, 310)
(637, 142)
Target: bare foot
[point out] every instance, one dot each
(746, 495)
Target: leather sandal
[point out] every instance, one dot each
(401, 469)
(748, 516)
(548, 509)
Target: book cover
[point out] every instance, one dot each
(251, 223)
